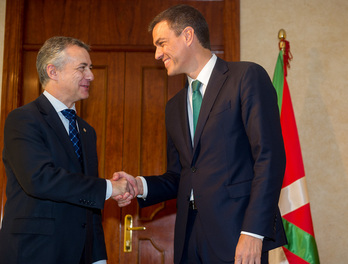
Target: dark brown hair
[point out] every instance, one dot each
(181, 16)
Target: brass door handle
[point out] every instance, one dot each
(136, 228)
(128, 229)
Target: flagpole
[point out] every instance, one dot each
(282, 37)
(284, 46)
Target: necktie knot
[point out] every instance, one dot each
(195, 86)
(69, 114)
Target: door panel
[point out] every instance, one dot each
(148, 88)
(104, 110)
(31, 87)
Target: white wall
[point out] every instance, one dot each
(318, 81)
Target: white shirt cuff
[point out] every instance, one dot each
(108, 191)
(100, 262)
(145, 189)
(252, 234)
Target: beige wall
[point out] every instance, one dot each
(318, 83)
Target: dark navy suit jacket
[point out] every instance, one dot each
(236, 166)
(53, 203)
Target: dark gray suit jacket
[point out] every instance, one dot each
(236, 166)
(53, 203)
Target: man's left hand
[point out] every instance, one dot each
(248, 250)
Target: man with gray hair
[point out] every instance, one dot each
(54, 196)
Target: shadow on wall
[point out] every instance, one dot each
(324, 167)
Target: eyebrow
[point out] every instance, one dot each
(85, 64)
(159, 40)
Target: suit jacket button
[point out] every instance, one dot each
(194, 169)
(84, 225)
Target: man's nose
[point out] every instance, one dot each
(158, 54)
(89, 75)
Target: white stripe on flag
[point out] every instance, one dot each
(293, 196)
(277, 256)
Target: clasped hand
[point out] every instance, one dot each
(124, 188)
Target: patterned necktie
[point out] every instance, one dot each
(73, 132)
(196, 102)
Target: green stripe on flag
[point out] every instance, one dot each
(301, 243)
(278, 79)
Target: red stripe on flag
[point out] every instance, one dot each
(294, 165)
(292, 258)
(301, 218)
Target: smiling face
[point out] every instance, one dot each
(73, 79)
(171, 49)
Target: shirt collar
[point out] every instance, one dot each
(58, 105)
(205, 73)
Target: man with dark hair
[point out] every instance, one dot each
(181, 16)
(54, 196)
(225, 154)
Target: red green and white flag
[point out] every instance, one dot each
(293, 202)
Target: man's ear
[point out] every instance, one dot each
(188, 33)
(51, 71)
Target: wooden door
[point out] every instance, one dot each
(106, 108)
(127, 97)
(127, 106)
(145, 137)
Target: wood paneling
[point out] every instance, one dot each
(46, 18)
(30, 88)
(124, 21)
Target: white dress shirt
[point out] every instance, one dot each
(203, 77)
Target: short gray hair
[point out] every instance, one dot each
(52, 52)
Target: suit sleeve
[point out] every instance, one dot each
(261, 119)
(34, 154)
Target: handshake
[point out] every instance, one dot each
(125, 187)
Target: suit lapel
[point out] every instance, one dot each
(84, 139)
(183, 124)
(53, 120)
(216, 81)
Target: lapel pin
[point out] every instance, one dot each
(84, 130)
